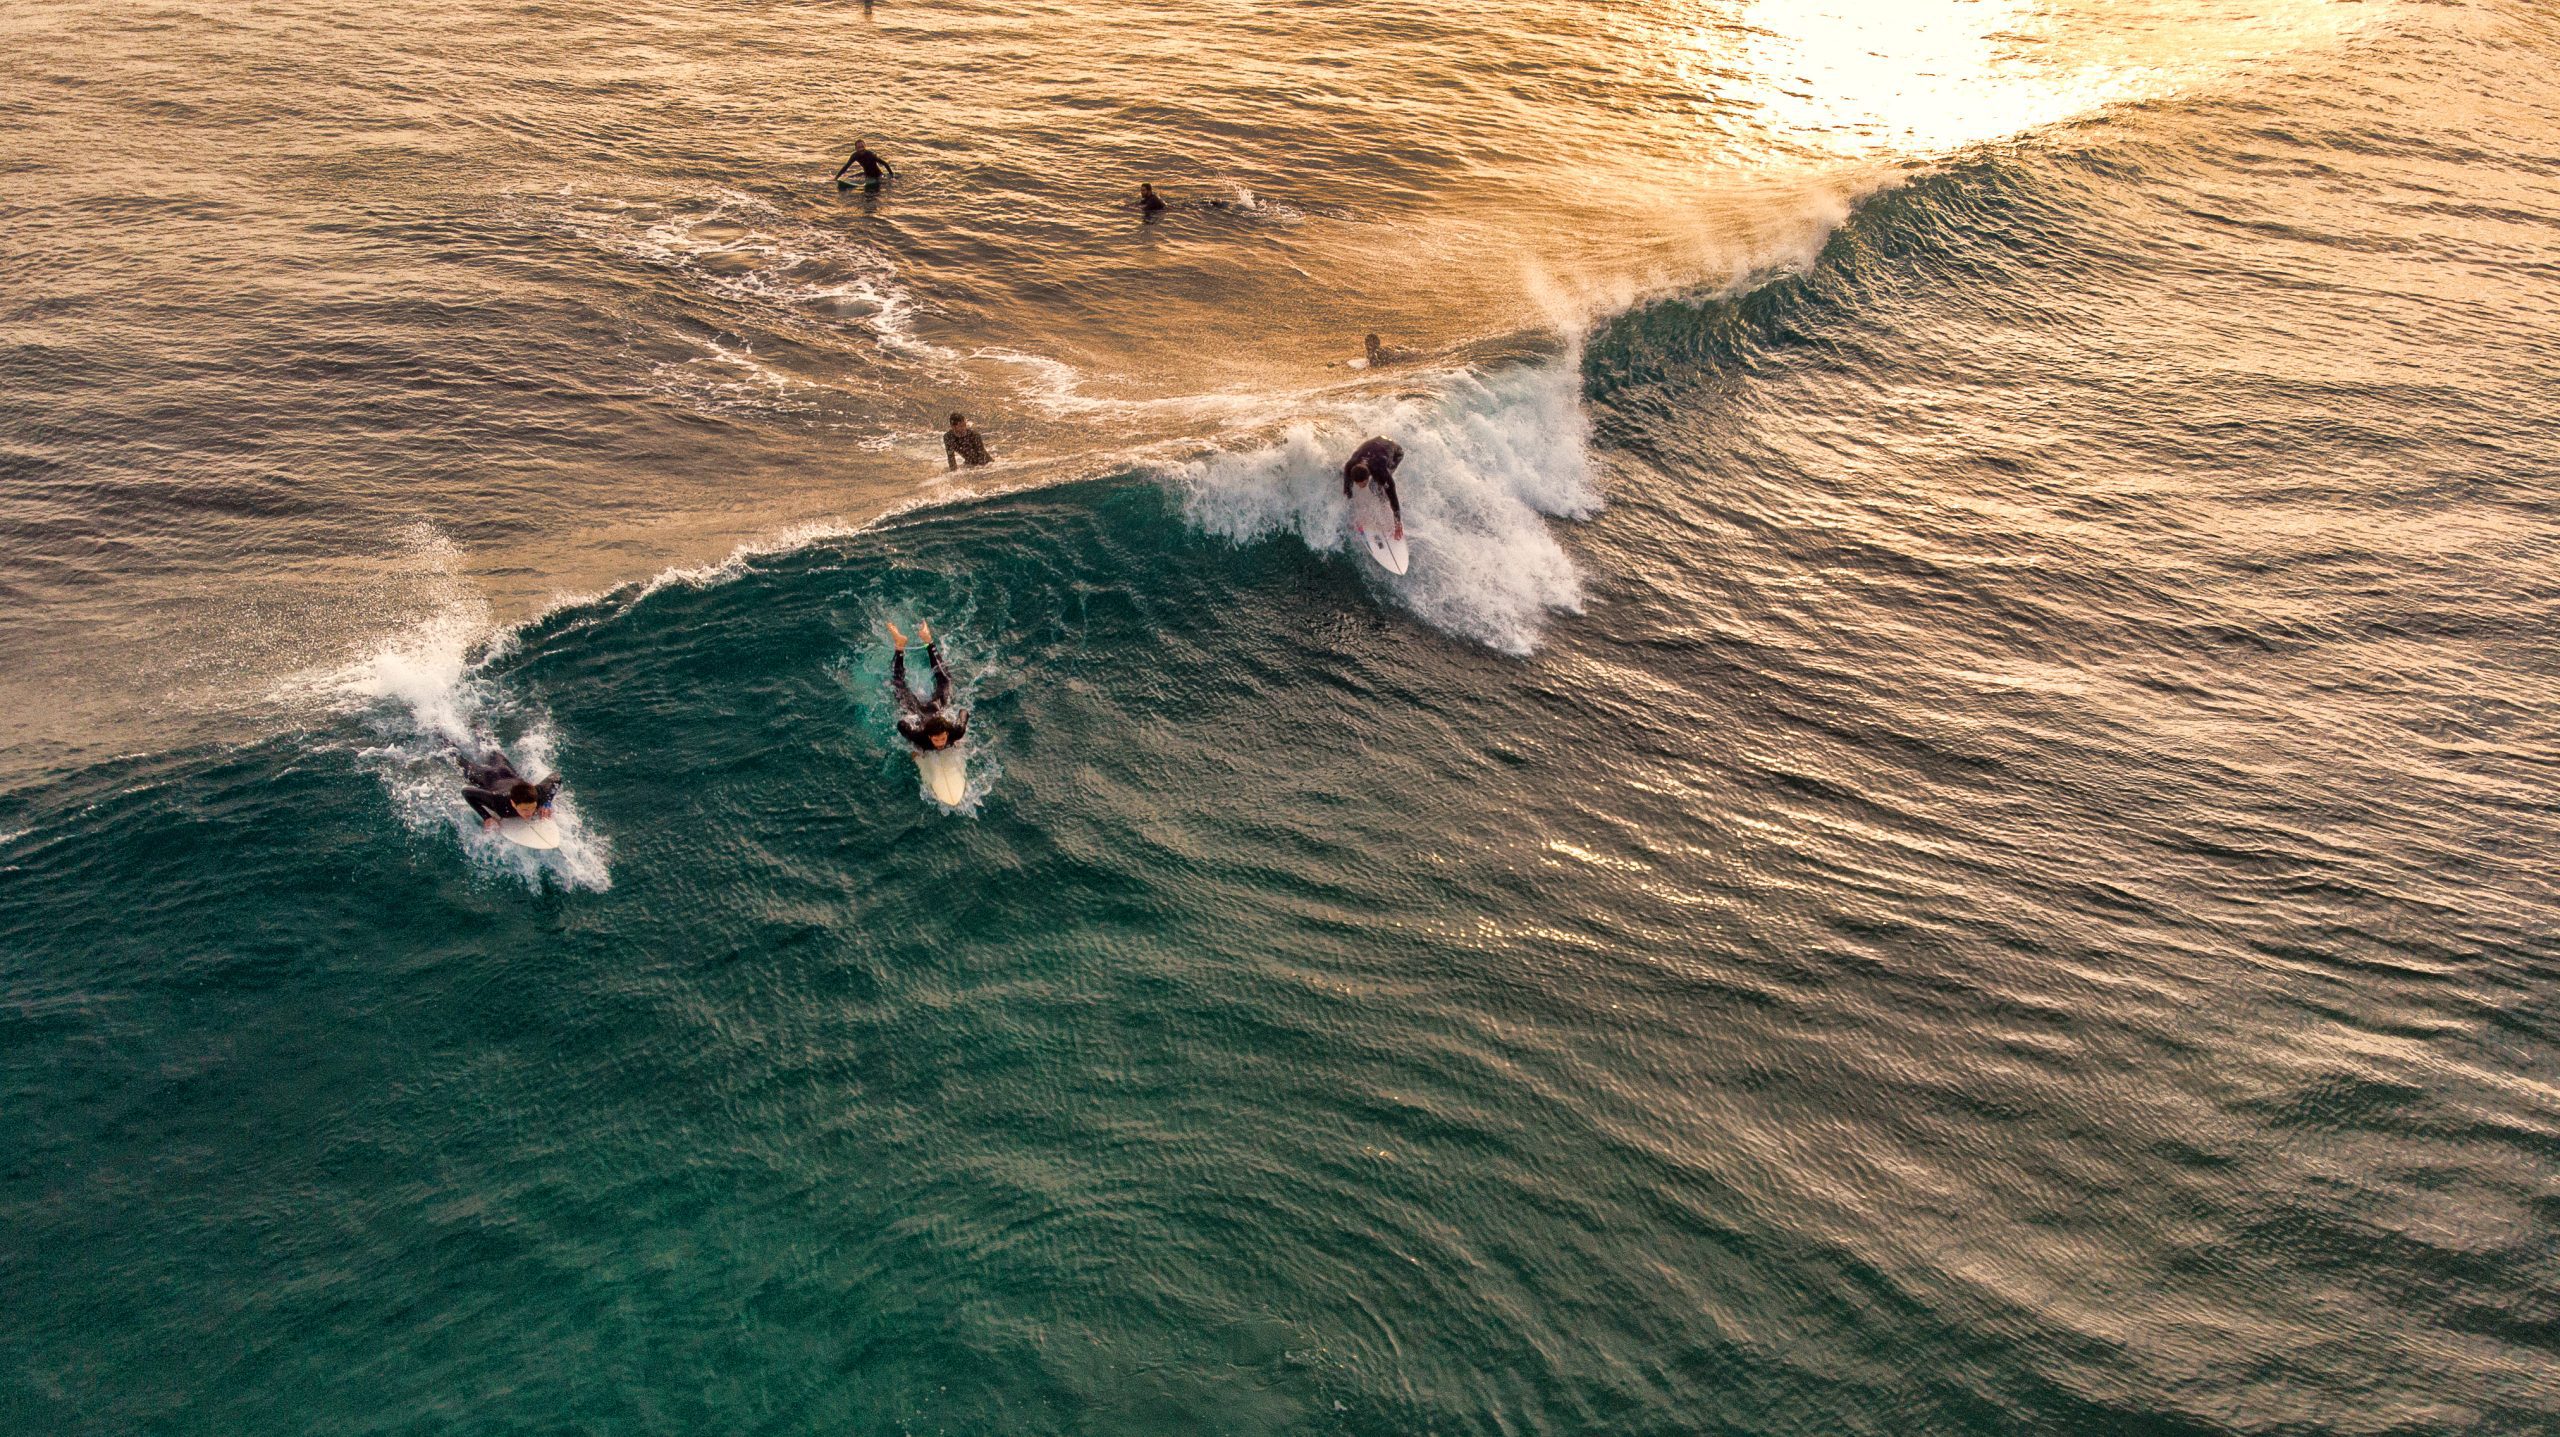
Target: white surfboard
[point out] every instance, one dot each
(946, 774)
(1374, 522)
(540, 833)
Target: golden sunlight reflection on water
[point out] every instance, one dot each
(1911, 79)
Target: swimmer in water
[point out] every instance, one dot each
(874, 168)
(1379, 354)
(1148, 204)
(962, 444)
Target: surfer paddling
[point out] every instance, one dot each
(1380, 355)
(874, 168)
(1374, 464)
(929, 724)
(496, 791)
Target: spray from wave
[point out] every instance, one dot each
(425, 698)
(1488, 460)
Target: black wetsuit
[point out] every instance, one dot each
(874, 168)
(963, 446)
(1376, 461)
(1149, 204)
(487, 782)
(913, 711)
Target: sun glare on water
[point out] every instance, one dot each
(1880, 79)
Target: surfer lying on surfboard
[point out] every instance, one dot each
(495, 790)
(1374, 463)
(926, 723)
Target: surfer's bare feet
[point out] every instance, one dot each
(925, 632)
(899, 638)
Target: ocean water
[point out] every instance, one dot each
(1949, 834)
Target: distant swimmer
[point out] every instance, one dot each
(929, 724)
(496, 791)
(1373, 464)
(874, 168)
(1148, 204)
(1379, 354)
(960, 444)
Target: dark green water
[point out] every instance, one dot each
(1971, 858)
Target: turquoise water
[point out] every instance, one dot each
(1948, 835)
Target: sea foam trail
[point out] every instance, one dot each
(425, 696)
(1488, 460)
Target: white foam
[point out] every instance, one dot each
(424, 695)
(1488, 460)
(744, 249)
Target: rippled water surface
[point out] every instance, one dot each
(1948, 833)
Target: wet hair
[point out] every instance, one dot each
(524, 793)
(1370, 340)
(959, 418)
(932, 726)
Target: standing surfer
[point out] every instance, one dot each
(926, 723)
(1374, 463)
(874, 168)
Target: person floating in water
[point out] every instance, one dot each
(495, 790)
(874, 168)
(961, 443)
(1379, 354)
(1374, 463)
(927, 723)
(1148, 204)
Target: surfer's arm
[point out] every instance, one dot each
(543, 793)
(848, 164)
(486, 803)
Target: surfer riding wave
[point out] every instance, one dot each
(1374, 464)
(496, 791)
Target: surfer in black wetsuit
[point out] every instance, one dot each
(1374, 463)
(960, 444)
(495, 790)
(874, 168)
(1381, 355)
(926, 723)
(1148, 204)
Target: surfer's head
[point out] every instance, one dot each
(959, 420)
(936, 731)
(525, 799)
(1372, 344)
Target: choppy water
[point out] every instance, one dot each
(1949, 833)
